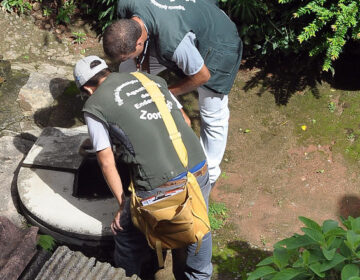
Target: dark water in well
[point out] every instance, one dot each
(11, 82)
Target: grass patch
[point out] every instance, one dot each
(331, 119)
(217, 215)
(235, 259)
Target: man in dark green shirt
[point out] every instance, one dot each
(120, 113)
(196, 40)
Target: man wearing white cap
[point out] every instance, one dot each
(119, 113)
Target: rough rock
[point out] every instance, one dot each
(43, 87)
(12, 150)
(18, 246)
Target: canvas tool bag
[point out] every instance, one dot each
(177, 220)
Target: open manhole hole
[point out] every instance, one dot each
(90, 183)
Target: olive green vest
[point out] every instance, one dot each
(168, 22)
(137, 129)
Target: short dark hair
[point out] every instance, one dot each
(94, 81)
(120, 37)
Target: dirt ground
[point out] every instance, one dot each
(271, 175)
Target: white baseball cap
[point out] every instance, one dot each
(83, 72)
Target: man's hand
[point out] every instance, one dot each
(186, 118)
(115, 225)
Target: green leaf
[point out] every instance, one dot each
(329, 254)
(261, 272)
(314, 235)
(347, 222)
(288, 274)
(298, 263)
(306, 256)
(353, 239)
(354, 278)
(268, 260)
(315, 267)
(316, 255)
(335, 242)
(330, 242)
(46, 242)
(355, 225)
(281, 257)
(327, 265)
(295, 242)
(349, 270)
(345, 250)
(310, 223)
(329, 225)
(335, 232)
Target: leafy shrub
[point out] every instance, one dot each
(105, 11)
(264, 26)
(20, 6)
(323, 252)
(65, 12)
(328, 26)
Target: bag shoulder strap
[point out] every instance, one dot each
(159, 99)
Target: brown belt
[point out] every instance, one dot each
(201, 172)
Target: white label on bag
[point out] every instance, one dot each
(156, 198)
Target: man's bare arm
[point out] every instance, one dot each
(191, 82)
(108, 167)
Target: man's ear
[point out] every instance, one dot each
(90, 90)
(139, 42)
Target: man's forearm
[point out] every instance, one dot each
(111, 175)
(191, 82)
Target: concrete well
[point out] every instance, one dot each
(50, 197)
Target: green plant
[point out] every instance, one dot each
(47, 12)
(16, 5)
(47, 242)
(65, 12)
(332, 107)
(351, 137)
(104, 10)
(322, 252)
(79, 37)
(217, 215)
(327, 26)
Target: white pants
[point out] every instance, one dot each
(214, 114)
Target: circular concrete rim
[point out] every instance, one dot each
(63, 236)
(46, 199)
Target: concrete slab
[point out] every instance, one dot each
(47, 196)
(57, 148)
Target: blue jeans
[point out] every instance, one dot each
(133, 254)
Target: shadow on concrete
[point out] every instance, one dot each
(236, 260)
(349, 205)
(66, 108)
